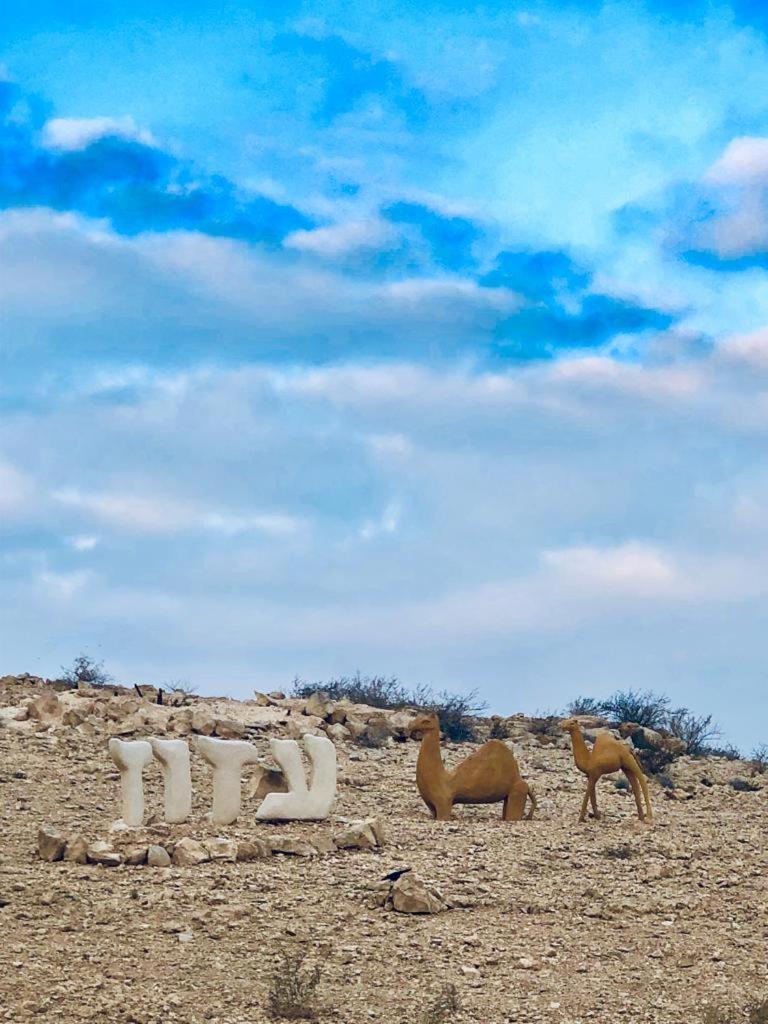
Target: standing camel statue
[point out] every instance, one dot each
(487, 776)
(606, 756)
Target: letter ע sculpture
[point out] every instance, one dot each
(131, 757)
(302, 803)
(173, 755)
(227, 758)
(489, 775)
(607, 755)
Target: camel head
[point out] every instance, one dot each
(570, 725)
(424, 724)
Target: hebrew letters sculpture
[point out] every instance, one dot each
(227, 758)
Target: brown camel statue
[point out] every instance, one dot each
(607, 755)
(487, 776)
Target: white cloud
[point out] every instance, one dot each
(72, 133)
(15, 489)
(632, 569)
(83, 542)
(743, 162)
(342, 239)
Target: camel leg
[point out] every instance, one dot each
(443, 810)
(592, 790)
(532, 798)
(632, 779)
(647, 795)
(584, 803)
(514, 803)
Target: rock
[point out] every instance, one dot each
(76, 850)
(262, 699)
(355, 726)
(135, 855)
(338, 733)
(292, 847)
(147, 692)
(742, 785)
(378, 730)
(265, 780)
(400, 723)
(104, 854)
(189, 852)
(50, 844)
(361, 835)
(203, 722)
(276, 695)
(409, 895)
(221, 848)
(46, 709)
(298, 727)
(319, 705)
(14, 714)
(158, 857)
(229, 729)
(252, 849)
(324, 843)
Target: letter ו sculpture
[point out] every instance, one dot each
(489, 775)
(302, 803)
(607, 755)
(173, 755)
(227, 758)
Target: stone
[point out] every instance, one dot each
(46, 708)
(409, 895)
(203, 722)
(189, 852)
(51, 844)
(299, 727)
(227, 758)
(158, 857)
(361, 835)
(338, 733)
(292, 847)
(76, 850)
(264, 780)
(302, 803)
(355, 726)
(276, 695)
(252, 849)
(221, 848)
(173, 755)
(135, 855)
(131, 758)
(230, 729)
(319, 705)
(262, 699)
(104, 854)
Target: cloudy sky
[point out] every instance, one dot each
(428, 340)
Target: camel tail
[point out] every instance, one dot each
(534, 804)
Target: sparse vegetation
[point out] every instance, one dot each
(499, 729)
(758, 759)
(644, 707)
(623, 852)
(585, 706)
(696, 731)
(182, 686)
(293, 989)
(744, 785)
(454, 710)
(85, 669)
(444, 1004)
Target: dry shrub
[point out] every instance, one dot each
(293, 989)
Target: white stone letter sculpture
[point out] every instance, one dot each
(173, 755)
(311, 804)
(227, 758)
(131, 757)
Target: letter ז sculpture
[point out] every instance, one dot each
(489, 775)
(606, 756)
(302, 803)
(131, 757)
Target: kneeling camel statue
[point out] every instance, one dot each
(487, 776)
(607, 755)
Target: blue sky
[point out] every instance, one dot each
(421, 340)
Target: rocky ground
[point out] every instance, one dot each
(546, 920)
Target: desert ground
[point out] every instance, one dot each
(548, 920)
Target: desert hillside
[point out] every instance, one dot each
(548, 920)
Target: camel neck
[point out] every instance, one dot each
(580, 750)
(429, 753)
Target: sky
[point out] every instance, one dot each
(424, 340)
